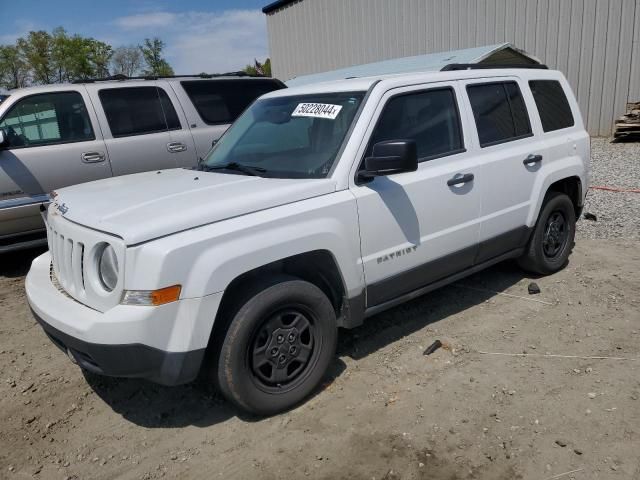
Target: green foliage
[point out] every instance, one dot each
(152, 54)
(42, 57)
(14, 71)
(258, 68)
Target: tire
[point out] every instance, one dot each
(278, 346)
(553, 236)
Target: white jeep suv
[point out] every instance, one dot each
(322, 205)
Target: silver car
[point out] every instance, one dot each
(58, 135)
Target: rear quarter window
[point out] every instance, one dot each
(222, 101)
(553, 106)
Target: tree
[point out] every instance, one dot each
(258, 68)
(126, 61)
(152, 53)
(76, 57)
(37, 50)
(14, 71)
(99, 54)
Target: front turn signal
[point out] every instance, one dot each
(152, 297)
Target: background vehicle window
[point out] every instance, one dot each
(222, 101)
(138, 110)
(430, 118)
(47, 119)
(553, 106)
(499, 112)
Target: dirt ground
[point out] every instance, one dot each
(386, 412)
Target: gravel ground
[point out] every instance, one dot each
(618, 214)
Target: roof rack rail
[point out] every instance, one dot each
(121, 77)
(486, 66)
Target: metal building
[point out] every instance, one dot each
(596, 43)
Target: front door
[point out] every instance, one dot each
(53, 141)
(419, 227)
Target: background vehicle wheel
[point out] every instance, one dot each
(278, 346)
(553, 236)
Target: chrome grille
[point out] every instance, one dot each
(68, 262)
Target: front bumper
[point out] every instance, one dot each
(165, 344)
(128, 360)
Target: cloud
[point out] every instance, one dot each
(146, 20)
(204, 41)
(21, 29)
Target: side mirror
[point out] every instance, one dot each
(4, 141)
(390, 157)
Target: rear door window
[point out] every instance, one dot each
(138, 111)
(499, 111)
(222, 101)
(47, 119)
(553, 106)
(429, 117)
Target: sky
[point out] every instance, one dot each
(211, 36)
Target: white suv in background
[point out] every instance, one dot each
(322, 205)
(54, 136)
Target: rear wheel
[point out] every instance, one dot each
(278, 347)
(553, 236)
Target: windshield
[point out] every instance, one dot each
(295, 136)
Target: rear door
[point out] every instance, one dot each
(139, 122)
(211, 106)
(54, 141)
(511, 157)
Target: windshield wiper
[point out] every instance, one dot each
(246, 169)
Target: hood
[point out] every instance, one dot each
(149, 205)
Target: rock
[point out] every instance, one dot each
(590, 216)
(589, 370)
(561, 442)
(577, 451)
(533, 288)
(591, 395)
(511, 392)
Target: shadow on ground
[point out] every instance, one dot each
(17, 264)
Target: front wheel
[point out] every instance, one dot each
(278, 347)
(553, 236)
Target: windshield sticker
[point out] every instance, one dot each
(317, 110)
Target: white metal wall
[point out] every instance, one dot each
(596, 43)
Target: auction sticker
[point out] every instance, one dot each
(317, 110)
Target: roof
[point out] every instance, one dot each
(389, 81)
(272, 7)
(137, 81)
(418, 63)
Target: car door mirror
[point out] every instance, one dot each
(390, 157)
(4, 140)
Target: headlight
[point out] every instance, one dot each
(108, 268)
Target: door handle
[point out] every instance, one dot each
(176, 147)
(531, 159)
(460, 179)
(92, 157)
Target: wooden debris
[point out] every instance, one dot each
(628, 125)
